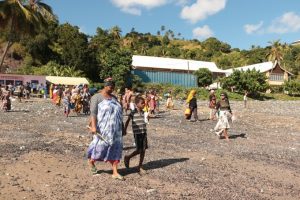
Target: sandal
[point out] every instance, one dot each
(142, 171)
(94, 170)
(118, 177)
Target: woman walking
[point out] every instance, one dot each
(225, 114)
(192, 105)
(6, 103)
(106, 124)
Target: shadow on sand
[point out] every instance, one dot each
(148, 166)
(231, 136)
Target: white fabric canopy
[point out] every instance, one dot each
(66, 80)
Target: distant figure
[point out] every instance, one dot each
(225, 114)
(6, 103)
(139, 128)
(169, 103)
(245, 99)
(66, 102)
(212, 101)
(192, 105)
(51, 91)
(126, 100)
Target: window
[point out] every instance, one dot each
(276, 77)
(35, 81)
(19, 82)
(2, 82)
(9, 82)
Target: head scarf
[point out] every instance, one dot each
(109, 82)
(191, 95)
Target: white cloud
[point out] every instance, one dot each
(253, 28)
(135, 6)
(202, 9)
(202, 32)
(287, 23)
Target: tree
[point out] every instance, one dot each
(276, 51)
(204, 77)
(20, 18)
(74, 52)
(55, 69)
(251, 80)
(116, 32)
(116, 63)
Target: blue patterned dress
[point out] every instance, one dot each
(109, 126)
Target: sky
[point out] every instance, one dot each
(240, 23)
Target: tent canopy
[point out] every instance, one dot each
(66, 80)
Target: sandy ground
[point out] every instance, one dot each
(42, 156)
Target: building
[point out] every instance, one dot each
(16, 79)
(296, 43)
(275, 73)
(169, 70)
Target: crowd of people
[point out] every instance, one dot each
(72, 98)
(107, 109)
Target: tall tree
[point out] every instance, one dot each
(116, 32)
(20, 18)
(276, 51)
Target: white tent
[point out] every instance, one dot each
(66, 80)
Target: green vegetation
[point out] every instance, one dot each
(251, 80)
(30, 34)
(204, 77)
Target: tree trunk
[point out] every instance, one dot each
(8, 45)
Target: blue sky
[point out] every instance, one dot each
(241, 23)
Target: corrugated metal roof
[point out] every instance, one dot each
(172, 63)
(66, 80)
(262, 67)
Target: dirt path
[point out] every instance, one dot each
(42, 156)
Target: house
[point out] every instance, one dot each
(170, 70)
(275, 73)
(296, 43)
(16, 79)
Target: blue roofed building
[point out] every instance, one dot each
(170, 70)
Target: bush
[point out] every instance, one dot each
(277, 89)
(204, 77)
(292, 87)
(251, 80)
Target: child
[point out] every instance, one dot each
(139, 129)
(245, 99)
(66, 102)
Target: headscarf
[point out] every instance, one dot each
(191, 95)
(109, 82)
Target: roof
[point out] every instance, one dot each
(262, 67)
(66, 80)
(172, 63)
(296, 42)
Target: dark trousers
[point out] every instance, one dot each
(194, 113)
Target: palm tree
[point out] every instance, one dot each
(19, 18)
(276, 51)
(116, 32)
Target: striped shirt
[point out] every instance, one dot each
(138, 122)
